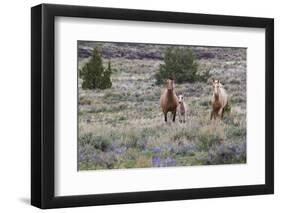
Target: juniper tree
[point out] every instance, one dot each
(106, 81)
(179, 63)
(93, 73)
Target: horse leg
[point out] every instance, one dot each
(215, 115)
(212, 115)
(165, 116)
(220, 113)
(184, 117)
(174, 116)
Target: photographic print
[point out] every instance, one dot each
(153, 113)
(156, 105)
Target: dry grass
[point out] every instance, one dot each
(123, 127)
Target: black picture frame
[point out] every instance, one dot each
(43, 105)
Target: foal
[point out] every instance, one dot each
(182, 109)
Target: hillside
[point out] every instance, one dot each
(123, 127)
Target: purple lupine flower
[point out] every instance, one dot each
(170, 162)
(156, 149)
(156, 161)
(119, 150)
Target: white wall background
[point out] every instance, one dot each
(15, 105)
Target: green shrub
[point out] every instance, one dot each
(227, 154)
(207, 140)
(237, 131)
(106, 82)
(132, 138)
(179, 63)
(84, 101)
(94, 75)
(182, 134)
(234, 81)
(102, 143)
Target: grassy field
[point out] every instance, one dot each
(123, 127)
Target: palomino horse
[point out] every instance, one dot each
(219, 100)
(169, 100)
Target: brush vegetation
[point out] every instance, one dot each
(122, 126)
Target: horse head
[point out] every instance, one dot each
(180, 98)
(216, 87)
(170, 84)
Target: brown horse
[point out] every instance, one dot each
(169, 100)
(219, 100)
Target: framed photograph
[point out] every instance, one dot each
(140, 106)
